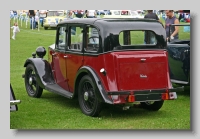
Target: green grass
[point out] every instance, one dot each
(52, 111)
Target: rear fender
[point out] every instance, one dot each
(43, 71)
(85, 70)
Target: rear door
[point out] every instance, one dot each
(59, 58)
(74, 53)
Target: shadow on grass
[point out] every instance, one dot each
(114, 111)
(50, 29)
(58, 99)
(108, 110)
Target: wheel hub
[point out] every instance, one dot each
(86, 96)
(30, 80)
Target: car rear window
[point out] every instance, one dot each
(137, 37)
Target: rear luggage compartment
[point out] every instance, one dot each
(142, 70)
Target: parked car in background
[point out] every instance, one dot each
(13, 101)
(140, 11)
(103, 12)
(100, 60)
(179, 56)
(53, 18)
(123, 14)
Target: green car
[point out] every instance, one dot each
(53, 18)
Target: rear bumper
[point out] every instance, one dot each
(144, 95)
(50, 25)
(143, 92)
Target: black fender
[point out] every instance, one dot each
(43, 71)
(85, 70)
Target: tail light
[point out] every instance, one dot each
(165, 96)
(131, 98)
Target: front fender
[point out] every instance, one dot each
(88, 70)
(42, 70)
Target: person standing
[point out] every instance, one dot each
(171, 32)
(15, 30)
(80, 13)
(150, 15)
(31, 14)
(37, 19)
(69, 14)
(91, 14)
(42, 15)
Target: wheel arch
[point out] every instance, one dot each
(85, 70)
(42, 70)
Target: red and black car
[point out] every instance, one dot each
(104, 61)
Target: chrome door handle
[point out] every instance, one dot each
(142, 59)
(65, 56)
(53, 54)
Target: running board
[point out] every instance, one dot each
(55, 88)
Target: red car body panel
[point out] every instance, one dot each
(74, 62)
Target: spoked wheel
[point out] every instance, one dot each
(152, 105)
(32, 87)
(87, 97)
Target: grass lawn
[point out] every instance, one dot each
(52, 111)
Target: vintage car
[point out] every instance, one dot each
(13, 101)
(101, 60)
(53, 18)
(123, 14)
(179, 56)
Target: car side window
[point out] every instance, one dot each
(92, 39)
(61, 38)
(75, 38)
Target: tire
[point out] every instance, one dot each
(32, 87)
(45, 28)
(87, 97)
(152, 105)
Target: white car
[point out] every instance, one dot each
(53, 18)
(140, 11)
(123, 14)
